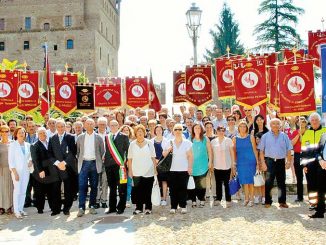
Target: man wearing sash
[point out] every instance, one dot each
(116, 146)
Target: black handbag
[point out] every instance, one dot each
(164, 164)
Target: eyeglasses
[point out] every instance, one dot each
(95, 117)
(178, 129)
(231, 120)
(247, 110)
(7, 131)
(221, 130)
(106, 115)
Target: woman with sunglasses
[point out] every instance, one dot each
(6, 187)
(246, 161)
(180, 170)
(231, 130)
(223, 159)
(202, 153)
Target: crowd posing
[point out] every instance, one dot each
(111, 158)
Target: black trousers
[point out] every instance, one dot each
(299, 174)
(321, 182)
(142, 192)
(70, 186)
(112, 173)
(53, 193)
(311, 176)
(222, 177)
(178, 182)
(200, 188)
(275, 169)
(31, 183)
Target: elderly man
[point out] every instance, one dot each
(275, 147)
(90, 152)
(151, 114)
(51, 128)
(219, 121)
(309, 148)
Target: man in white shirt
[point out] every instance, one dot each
(51, 128)
(219, 121)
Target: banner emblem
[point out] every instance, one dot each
(137, 91)
(228, 76)
(249, 79)
(5, 90)
(25, 90)
(198, 84)
(182, 88)
(65, 92)
(296, 84)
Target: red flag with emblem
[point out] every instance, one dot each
(179, 86)
(315, 39)
(65, 92)
(8, 90)
(224, 78)
(108, 93)
(154, 102)
(28, 92)
(137, 92)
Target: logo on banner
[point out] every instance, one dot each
(182, 88)
(256, 110)
(137, 91)
(25, 90)
(296, 84)
(249, 79)
(151, 96)
(228, 76)
(198, 84)
(65, 91)
(107, 96)
(5, 90)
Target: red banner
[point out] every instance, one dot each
(224, 78)
(289, 55)
(154, 102)
(108, 95)
(28, 92)
(273, 86)
(179, 87)
(65, 93)
(296, 83)
(250, 81)
(314, 41)
(199, 84)
(8, 90)
(137, 92)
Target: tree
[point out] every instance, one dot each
(278, 30)
(225, 35)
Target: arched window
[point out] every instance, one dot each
(46, 26)
(70, 44)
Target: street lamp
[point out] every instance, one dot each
(193, 24)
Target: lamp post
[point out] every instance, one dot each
(193, 23)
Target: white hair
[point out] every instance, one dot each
(102, 119)
(60, 121)
(314, 115)
(275, 120)
(40, 129)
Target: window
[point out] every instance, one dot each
(2, 24)
(55, 47)
(2, 46)
(28, 23)
(68, 21)
(70, 44)
(46, 26)
(26, 45)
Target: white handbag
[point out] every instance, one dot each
(156, 193)
(191, 183)
(259, 179)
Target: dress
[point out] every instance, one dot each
(246, 160)
(200, 164)
(6, 186)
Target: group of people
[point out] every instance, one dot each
(115, 154)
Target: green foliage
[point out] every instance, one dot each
(10, 65)
(225, 35)
(278, 30)
(82, 78)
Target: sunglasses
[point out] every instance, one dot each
(7, 131)
(178, 129)
(95, 117)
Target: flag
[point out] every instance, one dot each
(154, 102)
(45, 88)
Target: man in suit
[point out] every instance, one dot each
(63, 150)
(46, 175)
(112, 168)
(90, 153)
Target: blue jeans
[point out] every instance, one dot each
(129, 186)
(88, 172)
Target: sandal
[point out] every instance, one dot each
(2, 211)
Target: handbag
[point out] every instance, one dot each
(191, 183)
(164, 164)
(156, 193)
(259, 179)
(234, 185)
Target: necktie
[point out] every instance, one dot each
(60, 139)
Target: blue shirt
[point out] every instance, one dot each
(199, 149)
(274, 146)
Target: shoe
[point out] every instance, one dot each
(172, 211)
(183, 210)
(256, 200)
(18, 216)
(263, 200)
(81, 212)
(284, 205)
(147, 211)
(40, 211)
(110, 211)
(228, 204)
(163, 203)
(194, 204)
(251, 203)
(217, 203)
(23, 213)
(245, 203)
(312, 207)
(66, 212)
(128, 205)
(104, 205)
(298, 200)
(137, 212)
(96, 206)
(120, 211)
(267, 205)
(92, 210)
(202, 204)
(316, 215)
(55, 213)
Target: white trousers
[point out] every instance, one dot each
(20, 190)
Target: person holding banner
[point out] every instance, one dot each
(116, 152)
(142, 168)
(90, 152)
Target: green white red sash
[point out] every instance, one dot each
(117, 158)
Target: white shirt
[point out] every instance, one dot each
(49, 133)
(89, 146)
(102, 136)
(180, 160)
(142, 163)
(219, 123)
(221, 153)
